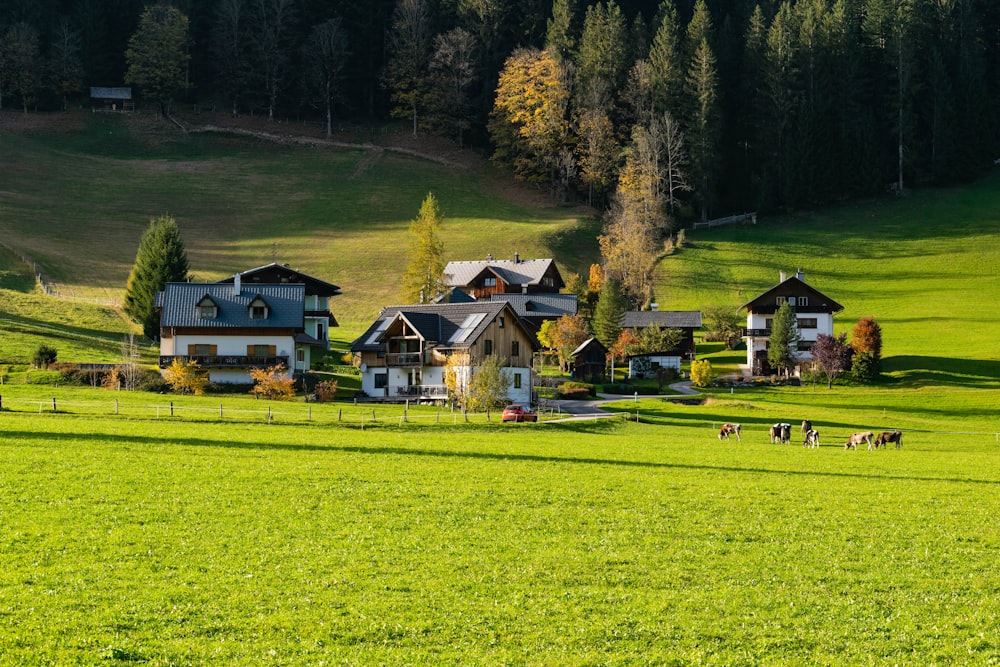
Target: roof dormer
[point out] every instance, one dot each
(259, 310)
(207, 308)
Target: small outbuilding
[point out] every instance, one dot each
(111, 99)
(590, 361)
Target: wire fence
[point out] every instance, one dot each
(280, 412)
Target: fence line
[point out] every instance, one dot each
(740, 218)
(51, 288)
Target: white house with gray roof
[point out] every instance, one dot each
(403, 354)
(230, 328)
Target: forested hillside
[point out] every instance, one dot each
(741, 106)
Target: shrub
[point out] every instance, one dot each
(270, 383)
(619, 388)
(325, 390)
(186, 376)
(865, 367)
(575, 391)
(44, 356)
(43, 377)
(701, 372)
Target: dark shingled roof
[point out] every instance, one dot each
(540, 305)
(668, 319)
(275, 273)
(179, 303)
(435, 322)
(519, 272)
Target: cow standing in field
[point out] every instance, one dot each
(857, 438)
(885, 437)
(812, 438)
(781, 432)
(730, 429)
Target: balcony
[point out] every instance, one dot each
(756, 333)
(226, 361)
(436, 392)
(403, 359)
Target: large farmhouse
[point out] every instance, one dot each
(814, 313)
(403, 353)
(268, 316)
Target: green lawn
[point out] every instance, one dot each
(169, 542)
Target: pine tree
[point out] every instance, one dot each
(704, 123)
(784, 336)
(160, 259)
(608, 314)
(424, 277)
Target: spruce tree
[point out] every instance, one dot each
(161, 259)
(784, 339)
(608, 312)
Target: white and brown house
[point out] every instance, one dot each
(814, 313)
(483, 278)
(404, 352)
(270, 316)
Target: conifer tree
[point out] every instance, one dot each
(160, 259)
(784, 337)
(424, 277)
(611, 306)
(156, 54)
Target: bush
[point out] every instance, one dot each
(44, 377)
(575, 391)
(866, 367)
(701, 372)
(619, 388)
(44, 356)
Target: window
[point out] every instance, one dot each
(381, 380)
(807, 323)
(487, 347)
(489, 282)
(548, 281)
(300, 355)
(260, 350)
(803, 301)
(258, 312)
(517, 380)
(500, 321)
(201, 350)
(515, 349)
(207, 312)
(780, 299)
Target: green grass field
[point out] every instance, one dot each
(241, 532)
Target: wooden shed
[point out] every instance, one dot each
(111, 99)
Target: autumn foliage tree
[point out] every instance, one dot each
(271, 382)
(866, 340)
(186, 376)
(832, 355)
(424, 276)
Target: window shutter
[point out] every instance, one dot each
(272, 350)
(250, 350)
(213, 350)
(191, 350)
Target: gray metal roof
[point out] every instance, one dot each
(179, 303)
(436, 322)
(540, 305)
(512, 272)
(672, 319)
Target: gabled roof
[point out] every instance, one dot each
(111, 92)
(540, 305)
(590, 342)
(280, 274)
(669, 319)
(793, 286)
(448, 325)
(179, 306)
(511, 271)
(453, 295)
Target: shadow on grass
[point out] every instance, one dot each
(919, 371)
(482, 456)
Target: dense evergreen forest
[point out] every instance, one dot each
(734, 104)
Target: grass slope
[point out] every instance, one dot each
(341, 215)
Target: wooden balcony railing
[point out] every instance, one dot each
(226, 360)
(403, 359)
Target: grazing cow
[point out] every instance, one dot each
(781, 432)
(806, 426)
(857, 438)
(730, 429)
(885, 437)
(812, 438)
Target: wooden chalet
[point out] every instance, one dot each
(402, 355)
(482, 279)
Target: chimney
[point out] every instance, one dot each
(782, 277)
(236, 284)
(800, 274)
(489, 257)
(654, 306)
(517, 258)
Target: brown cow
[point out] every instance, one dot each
(728, 429)
(859, 437)
(885, 437)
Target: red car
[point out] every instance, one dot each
(519, 413)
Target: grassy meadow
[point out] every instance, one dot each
(239, 532)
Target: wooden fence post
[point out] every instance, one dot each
(53, 404)
(171, 408)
